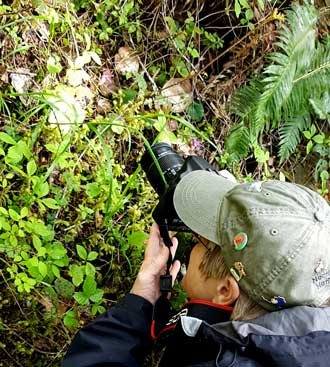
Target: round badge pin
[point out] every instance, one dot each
(240, 241)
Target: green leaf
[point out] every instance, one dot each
(3, 211)
(237, 8)
(41, 189)
(14, 155)
(196, 111)
(24, 212)
(50, 203)
(31, 167)
(93, 190)
(97, 296)
(42, 267)
(90, 269)
(41, 251)
(182, 69)
(92, 256)
(14, 215)
(81, 252)
(249, 14)
(36, 242)
(89, 286)
(319, 139)
(77, 275)
(7, 138)
(307, 134)
(70, 319)
(244, 3)
(56, 271)
(309, 147)
(81, 298)
(129, 95)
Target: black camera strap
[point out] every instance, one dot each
(166, 280)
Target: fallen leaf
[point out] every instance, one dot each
(126, 61)
(177, 93)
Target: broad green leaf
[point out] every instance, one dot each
(89, 286)
(41, 251)
(7, 138)
(237, 8)
(81, 252)
(81, 298)
(36, 242)
(3, 212)
(14, 155)
(31, 167)
(309, 147)
(93, 190)
(196, 111)
(42, 267)
(14, 215)
(249, 14)
(70, 319)
(307, 134)
(56, 271)
(77, 274)
(319, 139)
(24, 149)
(90, 269)
(50, 203)
(97, 296)
(24, 212)
(92, 256)
(244, 3)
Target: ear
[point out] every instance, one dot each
(227, 291)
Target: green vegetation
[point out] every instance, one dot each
(85, 88)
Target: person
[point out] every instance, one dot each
(259, 288)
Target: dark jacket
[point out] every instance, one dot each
(298, 336)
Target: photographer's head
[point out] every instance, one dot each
(273, 238)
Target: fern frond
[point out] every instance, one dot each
(238, 142)
(296, 48)
(290, 134)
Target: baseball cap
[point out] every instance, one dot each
(274, 235)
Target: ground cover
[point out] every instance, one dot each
(86, 87)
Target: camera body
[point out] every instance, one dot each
(164, 161)
(174, 168)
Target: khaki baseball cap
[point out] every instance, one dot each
(275, 236)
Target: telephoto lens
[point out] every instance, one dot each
(169, 161)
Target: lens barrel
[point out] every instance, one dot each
(169, 162)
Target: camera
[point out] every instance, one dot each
(173, 168)
(164, 169)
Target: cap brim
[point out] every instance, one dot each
(197, 199)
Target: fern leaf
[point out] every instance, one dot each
(296, 48)
(238, 142)
(290, 134)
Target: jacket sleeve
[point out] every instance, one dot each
(119, 337)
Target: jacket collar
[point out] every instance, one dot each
(296, 321)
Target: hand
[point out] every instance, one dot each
(146, 284)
